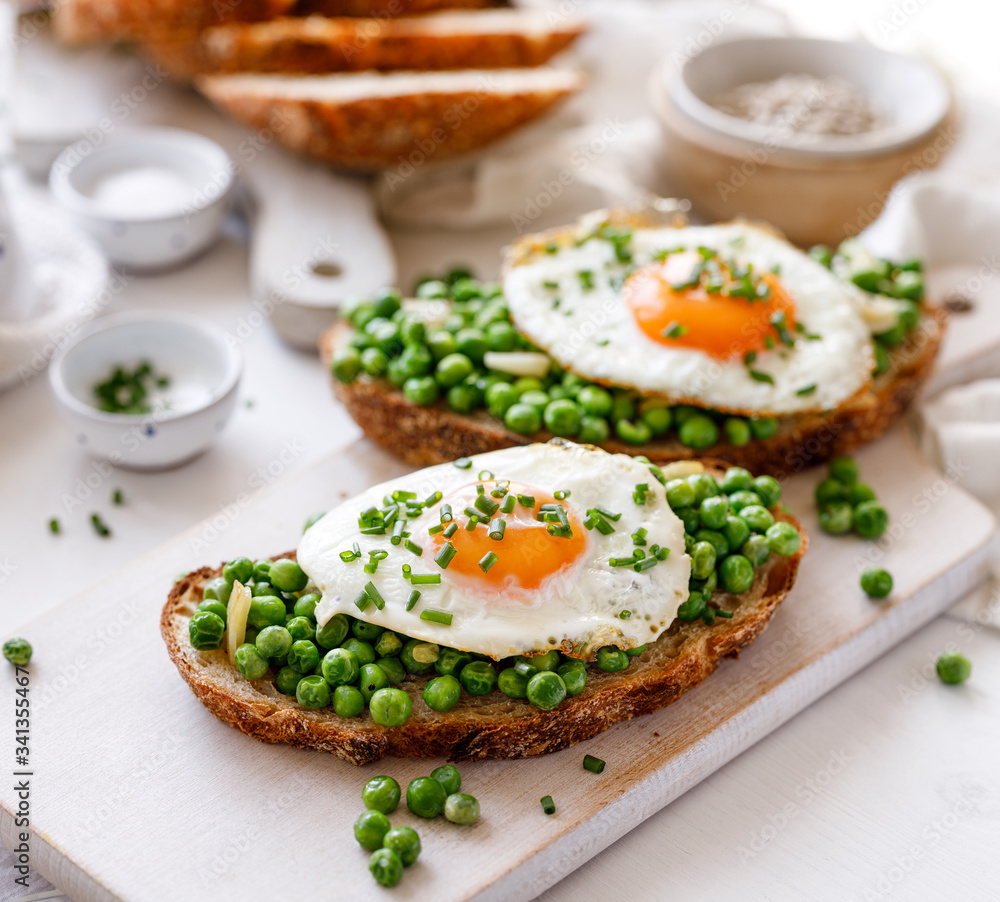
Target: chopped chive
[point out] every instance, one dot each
(758, 376)
(406, 571)
(639, 536)
(485, 475)
(624, 615)
(374, 595)
(661, 553)
(472, 524)
(446, 515)
(622, 561)
(100, 527)
(356, 548)
(487, 561)
(397, 531)
(526, 500)
(451, 530)
(561, 495)
(507, 506)
(425, 579)
(594, 765)
(480, 489)
(548, 806)
(604, 512)
(674, 330)
(497, 529)
(54, 526)
(559, 532)
(597, 521)
(720, 613)
(463, 463)
(645, 564)
(806, 390)
(434, 530)
(471, 512)
(412, 600)
(118, 497)
(373, 531)
(400, 495)
(345, 556)
(639, 495)
(586, 278)
(444, 557)
(362, 601)
(436, 617)
(499, 492)
(433, 499)
(413, 548)
(749, 357)
(486, 505)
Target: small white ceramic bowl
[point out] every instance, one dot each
(204, 372)
(152, 197)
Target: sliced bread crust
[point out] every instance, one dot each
(478, 727)
(366, 121)
(486, 39)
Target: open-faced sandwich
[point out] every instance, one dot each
(502, 606)
(666, 340)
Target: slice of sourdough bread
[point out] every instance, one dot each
(485, 39)
(492, 726)
(370, 120)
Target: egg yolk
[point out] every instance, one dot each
(527, 555)
(682, 303)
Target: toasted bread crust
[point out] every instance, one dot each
(486, 727)
(316, 45)
(431, 435)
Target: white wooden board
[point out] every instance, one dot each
(139, 794)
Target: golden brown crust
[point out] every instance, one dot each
(486, 727)
(389, 131)
(316, 45)
(430, 435)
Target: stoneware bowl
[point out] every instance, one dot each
(186, 416)
(151, 197)
(814, 188)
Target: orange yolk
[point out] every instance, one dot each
(717, 324)
(527, 554)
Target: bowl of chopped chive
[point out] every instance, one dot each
(147, 390)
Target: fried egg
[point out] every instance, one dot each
(575, 583)
(727, 316)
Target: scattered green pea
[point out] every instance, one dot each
(876, 582)
(18, 651)
(425, 797)
(370, 828)
(953, 668)
(461, 808)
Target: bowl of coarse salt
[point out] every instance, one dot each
(151, 197)
(809, 135)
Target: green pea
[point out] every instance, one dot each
(622, 407)
(537, 399)
(690, 518)
(635, 652)
(512, 684)
(562, 418)
(218, 589)
(346, 365)
(679, 494)
(449, 777)
(461, 808)
(525, 384)
(830, 490)
(702, 560)
(593, 430)
(441, 344)
(501, 337)
(250, 662)
(205, 630)
(858, 492)
(288, 576)
(844, 469)
(763, 427)
(736, 530)
(386, 338)
(381, 793)
(633, 432)
(390, 707)
(422, 390)
(464, 398)
(472, 343)
(453, 369)
(266, 610)
(713, 511)
(387, 301)
(348, 701)
(370, 680)
(306, 605)
(393, 669)
(313, 692)
(260, 571)
(595, 401)
(240, 569)
(432, 288)
(894, 337)
(333, 632)
(260, 589)
(740, 500)
(478, 678)
(870, 519)
(769, 490)
(523, 419)
(273, 641)
(413, 331)
(882, 360)
(737, 431)
(717, 539)
(405, 842)
(546, 690)
(736, 479)
(692, 609)
(876, 582)
(574, 675)
(214, 606)
(500, 397)
(369, 632)
(418, 667)
(425, 797)
(953, 668)
(704, 486)
(451, 661)
(287, 680)
(658, 419)
(362, 650)
(756, 549)
(301, 628)
(370, 827)
(783, 538)
(442, 693)
(611, 659)
(699, 432)
(549, 660)
(757, 517)
(251, 635)
(836, 518)
(387, 644)
(303, 656)
(736, 574)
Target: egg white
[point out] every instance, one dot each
(593, 333)
(578, 608)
